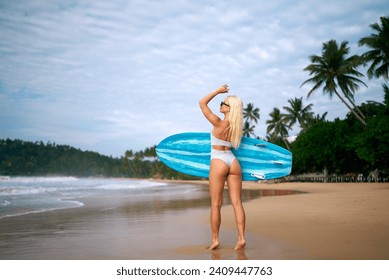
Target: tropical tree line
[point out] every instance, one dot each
(19, 157)
(344, 146)
(25, 158)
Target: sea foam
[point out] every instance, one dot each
(28, 195)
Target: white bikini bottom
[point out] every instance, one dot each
(227, 156)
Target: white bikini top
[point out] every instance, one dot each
(218, 142)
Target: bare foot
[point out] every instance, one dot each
(214, 245)
(240, 245)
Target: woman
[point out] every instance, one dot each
(226, 134)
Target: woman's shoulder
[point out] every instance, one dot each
(221, 131)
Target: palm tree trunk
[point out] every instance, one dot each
(286, 142)
(351, 109)
(355, 107)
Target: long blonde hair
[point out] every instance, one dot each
(235, 119)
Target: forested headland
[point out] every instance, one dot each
(24, 158)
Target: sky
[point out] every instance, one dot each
(111, 76)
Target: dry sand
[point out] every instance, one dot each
(330, 221)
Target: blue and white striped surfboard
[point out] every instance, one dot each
(189, 153)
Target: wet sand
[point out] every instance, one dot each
(329, 221)
(115, 227)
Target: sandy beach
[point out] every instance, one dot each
(331, 221)
(327, 221)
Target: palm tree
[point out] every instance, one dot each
(129, 154)
(250, 114)
(248, 129)
(333, 70)
(128, 161)
(298, 113)
(379, 53)
(277, 126)
(317, 119)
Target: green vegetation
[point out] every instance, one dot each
(358, 144)
(334, 70)
(344, 146)
(19, 157)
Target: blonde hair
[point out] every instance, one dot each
(235, 118)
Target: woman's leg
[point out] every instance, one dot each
(217, 178)
(234, 180)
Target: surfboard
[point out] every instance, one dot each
(189, 153)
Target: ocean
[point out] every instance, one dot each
(29, 195)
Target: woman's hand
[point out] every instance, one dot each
(222, 89)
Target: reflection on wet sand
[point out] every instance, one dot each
(221, 253)
(198, 200)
